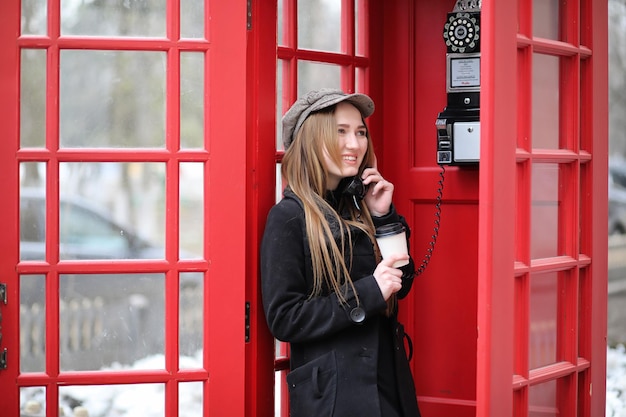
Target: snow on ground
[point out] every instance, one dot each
(147, 400)
(616, 382)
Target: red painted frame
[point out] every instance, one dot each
(580, 346)
(478, 365)
(496, 203)
(225, 104)
(261, 173)
(9, 181)
(469, 317)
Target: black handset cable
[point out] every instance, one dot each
(431, 245)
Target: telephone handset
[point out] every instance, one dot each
(356, 189)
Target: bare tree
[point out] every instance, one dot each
(617, 83)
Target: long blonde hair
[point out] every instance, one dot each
(306, 174)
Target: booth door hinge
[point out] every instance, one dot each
(3, 300)
(247, 325)
(249, 14)
(3, 293)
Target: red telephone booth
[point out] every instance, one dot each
(175, 106)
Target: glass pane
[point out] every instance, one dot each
(192, 100)
(520, 305)
(542, 400)
(522, 73)
(32, 211)
(546, 19)
(112, 99)
(585, 27)
(281, 104)
(544, 211)
(34, 17)
(312, 76)
(586, 89)
(360, 30)
(279, 183)
(616, 317)
(280, 19)
(146, 400)
(191, 19)
(281, 400)
(522, 214)
(33, 401)
(190, 396)
(32, 323)
(33, 98)
(543, 319)
(113, 18)
(112, 210)
(191, 319)
(110, 320)
(280, 393)
(319, 25)
(545, 102)
(191, 210)
(585, 205)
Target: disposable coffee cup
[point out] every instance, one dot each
(391, 239)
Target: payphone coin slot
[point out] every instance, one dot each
(466, 137)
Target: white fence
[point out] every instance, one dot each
(95, 333)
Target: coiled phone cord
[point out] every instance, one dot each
(433, 241)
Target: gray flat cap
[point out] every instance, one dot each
(318, 100)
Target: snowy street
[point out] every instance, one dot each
(147, 400)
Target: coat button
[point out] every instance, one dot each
(357, 314)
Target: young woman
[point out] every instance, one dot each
(326, 290)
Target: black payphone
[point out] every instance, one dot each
(458, 125)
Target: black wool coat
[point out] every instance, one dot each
(334, 347)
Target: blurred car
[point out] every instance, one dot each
(121, 315)
(617, 198)
(87, 232)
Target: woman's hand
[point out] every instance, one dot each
(388, 278)
(379, 193)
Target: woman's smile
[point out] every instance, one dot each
(352, 142)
